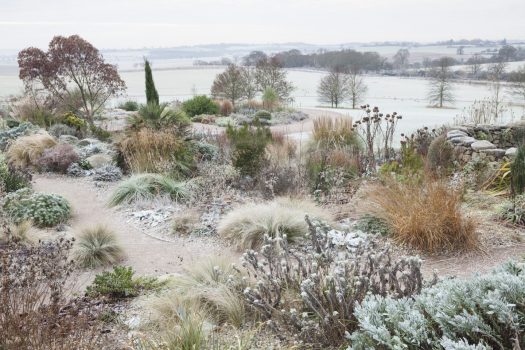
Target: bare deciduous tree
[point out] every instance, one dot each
(357, 88)
(230, 84)
(254, 57)
(71, 65)
(270, 74)
(333, 88)
(518, 88)
(340, 86)
(441, 89)
(250, 88)
(475, 64)
(496, 71)
(401, 58)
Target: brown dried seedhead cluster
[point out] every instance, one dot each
(35, 312)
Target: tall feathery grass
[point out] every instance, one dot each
(207, 288)
(246, 226)
(147, 187)
(328, 132)
(26, 150)
(156, 151)
(333, 154)
(97, 247)
(424, 216)
(184, 328)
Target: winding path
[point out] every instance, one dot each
(146, 254)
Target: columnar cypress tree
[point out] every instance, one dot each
(152, 96)
(517, 171)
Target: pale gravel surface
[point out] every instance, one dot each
(304, 126)
(146, 254)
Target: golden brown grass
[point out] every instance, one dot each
(151, 151)
(334, 132)
(282, 150)
(424, 216)
(26, 150)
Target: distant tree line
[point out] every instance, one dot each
(343, 59)
(351, 60)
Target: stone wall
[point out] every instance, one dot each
(490, 142)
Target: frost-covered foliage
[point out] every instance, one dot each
(75, 170)
(89, 150)
(13, 133)
(513, 212)
(107, 173)
(313, 289)
(57, 158)
(42, 209)
(59, 129)
(484, 312)
(205, 150)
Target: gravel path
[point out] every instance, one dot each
(304, 126)
(465, 266)
(146, 254)
(152, 256)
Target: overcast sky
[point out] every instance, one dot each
(164, 23)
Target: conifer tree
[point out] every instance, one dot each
(152, 96)
(517, 170)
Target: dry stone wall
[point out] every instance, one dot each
(486, 142)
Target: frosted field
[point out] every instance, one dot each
(403, 95)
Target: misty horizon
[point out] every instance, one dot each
(162, 24)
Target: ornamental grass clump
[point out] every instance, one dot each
(333, 156)
(26, 150)
(97, 247)
(426, 216)
(157, 151)
(212, 287)
(43, 209)
(330, 132)
(247, 226)
(147, 187)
